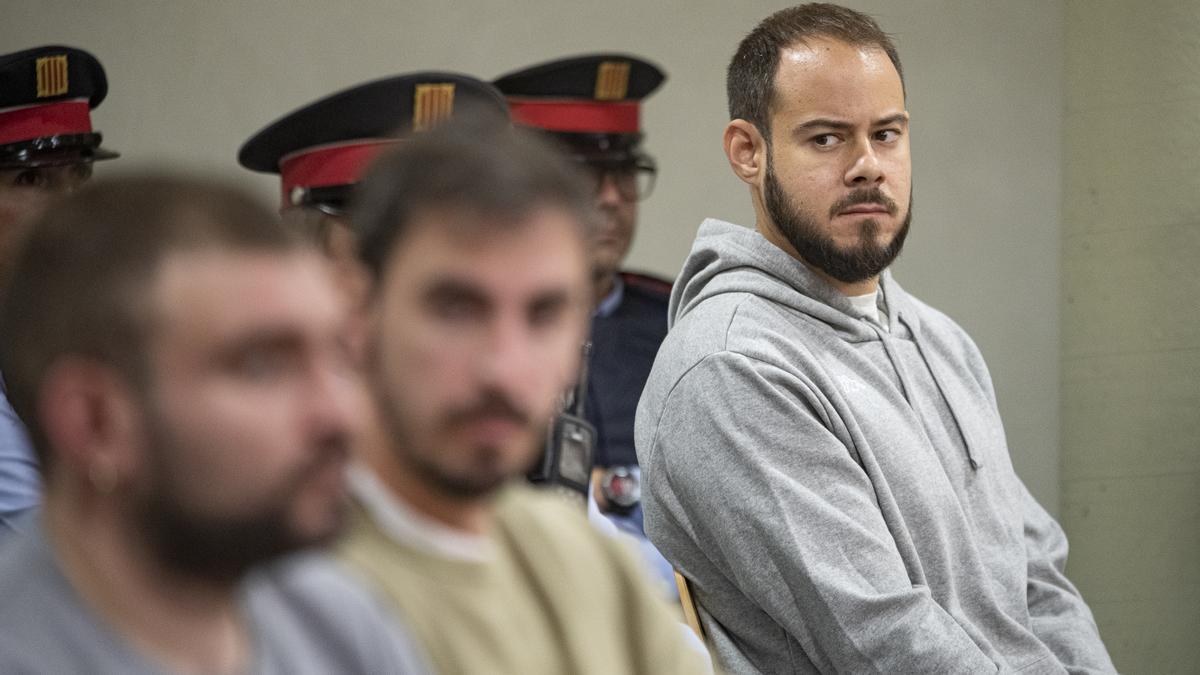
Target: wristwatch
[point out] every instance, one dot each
(622, 488)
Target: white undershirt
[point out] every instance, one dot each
(867, 307)
(406, 525)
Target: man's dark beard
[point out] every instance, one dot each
(864, 261)
(222, 549)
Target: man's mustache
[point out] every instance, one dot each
(490, 405)
(871, 195)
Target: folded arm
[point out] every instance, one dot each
(782, 507)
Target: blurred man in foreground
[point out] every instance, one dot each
(191, 401)
(476, 241)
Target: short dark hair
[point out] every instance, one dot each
(750, 80)
(481, 166)
(80, 282)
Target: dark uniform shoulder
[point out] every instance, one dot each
(646, 284)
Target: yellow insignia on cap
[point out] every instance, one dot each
(432, 105)
(612, 80)
(52, 76)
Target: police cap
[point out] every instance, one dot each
(322, 149)
(591, 102)
(46, 95)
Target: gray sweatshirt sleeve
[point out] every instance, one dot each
(1059, 616)
(779, 505)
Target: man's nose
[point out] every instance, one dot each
(865, 168)
(607, 190)
(507, 354)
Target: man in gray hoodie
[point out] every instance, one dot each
(823, 454)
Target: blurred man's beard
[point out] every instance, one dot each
(486, 475)
(222, 549)
(866, 260)
(489, 467)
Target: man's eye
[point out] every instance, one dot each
(887, 135)
(824, 140)
(261, 365)
(546, 315)
(30, 178)
(455, 309)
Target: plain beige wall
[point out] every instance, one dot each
(1131, 326)
(191, 80)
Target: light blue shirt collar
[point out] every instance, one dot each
(612, 301)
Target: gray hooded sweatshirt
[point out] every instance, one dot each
(841, 496)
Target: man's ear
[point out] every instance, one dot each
(746, 150)
(90, 419)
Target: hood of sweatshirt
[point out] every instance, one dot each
(728, 258)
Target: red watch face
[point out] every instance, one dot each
(621, 487)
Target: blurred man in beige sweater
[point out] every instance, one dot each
(477, 244)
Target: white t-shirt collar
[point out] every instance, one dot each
(406, 525)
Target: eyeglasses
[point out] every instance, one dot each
(634, 181)
(331, 200)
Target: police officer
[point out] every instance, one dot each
(592, 105)
(321, 149)
(47, 146)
